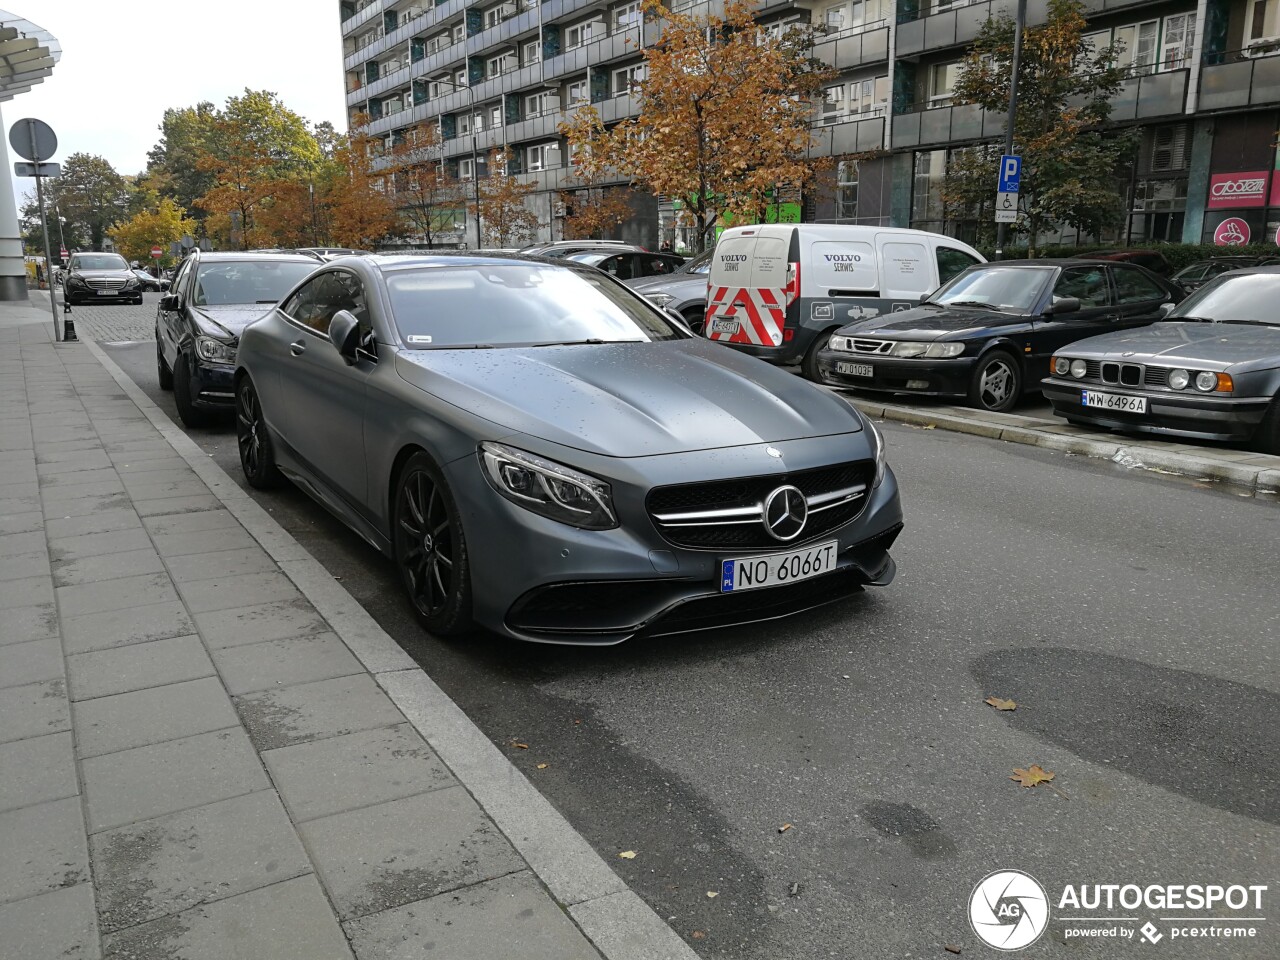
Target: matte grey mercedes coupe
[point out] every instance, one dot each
(547, 455)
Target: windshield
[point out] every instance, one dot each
(1000, 288)
(98, 261)
(519, 304)
(591, 259)
(699, 264)
(246, 281)
(1247, 298)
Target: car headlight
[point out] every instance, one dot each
(944, 350)
(1178, 379)
(1206, 381)
(659, 299)
(130, 282)
(1079, 368)
(877, 442)
(908, 348)
(1061, 366)
(215, 351)
(548, 488)
(842, 344)
(74, 281)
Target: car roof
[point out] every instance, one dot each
(1040, 262)
(224, 256)
(462, 258)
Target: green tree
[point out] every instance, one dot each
(505, 217)
(157, 227)
(1070, 163)
(173, 163)
(90, 195)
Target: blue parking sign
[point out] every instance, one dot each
(1010, 173)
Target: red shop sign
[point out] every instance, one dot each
(1233, 190)
(1231, 232)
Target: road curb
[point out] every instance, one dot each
(1260, 478)
(617, 921)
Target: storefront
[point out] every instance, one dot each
(1242, 203)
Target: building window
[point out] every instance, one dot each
(459, 32)
(535, 105)
(832, 104)
(465, 170)
(627, 17)
(847, 190)
(497, 66)
(926, 186)
(495, 116)
(1179, 36)
(1169, 148)
(531, 52)
(778, 29)
(495, 15)
(460, 79)
(577, 92)
(438, 43)
(870, 96)
(544, 156)
(628, 79)
(463, 124)
(580, 33)
(942, 80)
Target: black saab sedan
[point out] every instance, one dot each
(990, 331)
(1210, 370)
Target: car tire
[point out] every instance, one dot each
(257, 456)
(696, 318)
(996, 383)
(163, 373)
(809, 365)
(1266, 439)
(431, 549)
(190, 415)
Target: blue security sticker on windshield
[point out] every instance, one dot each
(418, 338)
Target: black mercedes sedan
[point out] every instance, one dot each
(99, 278)
(989, 332)
(1210, 370)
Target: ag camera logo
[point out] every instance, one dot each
(1008, 910)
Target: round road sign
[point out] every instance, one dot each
(33, 140)
(156, 253)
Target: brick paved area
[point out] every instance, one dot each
(116, 321)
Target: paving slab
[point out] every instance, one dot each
(286, 921)
(170, 864)
(66, 527)
(21, 522)
(25, 592)
(357, 770)
(145, 466)
(228, 592)
(137, 666)
(312, 711)
(105, 596)
(151, 781)
(98, 631)
(49, 771)
(34, 710)
(75, 462)
(231, 536)
(44, 850)
(277, 663)
(508, 917)
(106, 544)
(78, 478)
(254, 623)
(23, 566)
(109, 566)
(23, 504)
(69, 492)
(169, 505)
(221, 563)
(379, 857)
(18, 490)
(62, 925)
(200, 522)
(30, 662)
(144, 489)
(33, 622)
(152, 715)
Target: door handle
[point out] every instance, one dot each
(298, 347)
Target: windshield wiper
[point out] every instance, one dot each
(576, 343)
(971, 303)
(1192, 320)
(266, 301)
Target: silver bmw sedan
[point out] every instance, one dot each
(547, 455)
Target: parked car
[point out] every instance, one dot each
(99, 277)
(683, 291)
(629, 266)
(991, 331)
(1209, 370)
(517, 436)
(562, 248)
(780, 291)
(1202, 271)
(1152, 260)
(199, 322)
(149, 282)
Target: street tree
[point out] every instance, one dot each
(90, 196)
(359, 207)
(724, 117)
(158, 227)
(173, 163)
(1070, 162)
(428, 198)
(590, 208)
(506, 220)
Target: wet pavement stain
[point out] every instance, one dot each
(921, 834)
(270, 724)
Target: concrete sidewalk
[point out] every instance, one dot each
(209, 750)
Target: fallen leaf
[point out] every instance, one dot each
(951, 948)
(1033, 775)
(628, 854)
(542, 766)
(1001, 704)
(930, 426)
(712, 894)
(698, 935)
(519, 745)
(784, 828)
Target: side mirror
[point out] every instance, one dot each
(1061, 306)
(169, 302)
(344, 333)
(1166, 309)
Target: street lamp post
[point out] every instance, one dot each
(475, 168)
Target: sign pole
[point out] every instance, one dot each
(1019, 25)
(44, 229)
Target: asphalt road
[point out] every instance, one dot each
(1134, 619)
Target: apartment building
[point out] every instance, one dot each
(1202, 91)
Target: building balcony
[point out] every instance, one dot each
(856, 133)
(371, 10)
(1149, 96)
(942, 125)
(1244, 78)
(854, 49)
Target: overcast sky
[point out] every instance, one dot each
(124, 62)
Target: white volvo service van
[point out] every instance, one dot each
(777, 291)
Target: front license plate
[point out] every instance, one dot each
(107, 293)
(750, 573)
(855, 369)
(725, 326)
(1113, 401)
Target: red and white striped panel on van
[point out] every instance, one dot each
(753, 280)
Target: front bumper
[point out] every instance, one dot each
(1184, 415)
(538, 580)
(213, 385)
(926, 378)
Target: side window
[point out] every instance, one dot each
(1088, 285)
(315, 303)
(1133, 286)
(1195, 273)
(952, 262)
(179, 285)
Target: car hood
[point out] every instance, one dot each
(631, 399)
(107, 274)
(929, 323)
(678, 285)
(232, 318)
(1173, 340)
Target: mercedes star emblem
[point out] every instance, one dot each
(785, 513)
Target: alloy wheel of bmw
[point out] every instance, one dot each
(997, 382)
(431, 550)
(257, 459)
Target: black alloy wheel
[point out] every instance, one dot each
(257, 458)
(188, 412)
(430, 549)
(997, 382)
(163, 373)
(1266, 439)
(809, 365)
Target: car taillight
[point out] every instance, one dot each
(792, 289)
